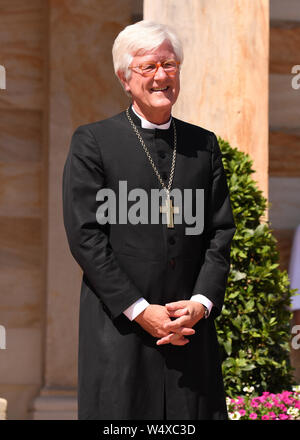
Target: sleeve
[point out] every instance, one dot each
(219, 231)
(136, 308)
(83, 176)
(203, 300)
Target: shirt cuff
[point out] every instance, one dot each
(203, 300)
(136, 308)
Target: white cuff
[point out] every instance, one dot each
(203, 300)
(136, 308)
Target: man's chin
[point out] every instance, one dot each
(163, 104)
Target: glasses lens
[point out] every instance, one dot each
(148, 68)
(170, 66)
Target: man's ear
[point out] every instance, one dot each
(123, 80)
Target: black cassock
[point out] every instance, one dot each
(122, 373)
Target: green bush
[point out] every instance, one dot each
(254, 327)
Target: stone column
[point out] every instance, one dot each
(81, 89)
(224, 78)
(3, 406)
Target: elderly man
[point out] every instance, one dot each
(151, 286)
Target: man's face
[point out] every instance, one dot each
(152, 103)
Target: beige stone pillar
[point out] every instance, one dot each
(81, 89)
(224, 79)
(3, 406)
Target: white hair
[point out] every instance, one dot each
(141, 37)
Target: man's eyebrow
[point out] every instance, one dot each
(163, 60)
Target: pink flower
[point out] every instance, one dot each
(253, 416)
(283, 416)
(272, 414)
(268, 405)
(242, 412)
(265, 417)
(254, 403)
(276, 402)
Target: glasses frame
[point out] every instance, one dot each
(158, 65)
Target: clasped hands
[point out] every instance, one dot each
(156, 320)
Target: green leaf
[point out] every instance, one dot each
(248, 367)
(233, 295)
(249, 305)
(237, 276)
(228, 346)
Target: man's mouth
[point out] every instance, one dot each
(159, 89)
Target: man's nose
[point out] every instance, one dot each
(160, 73)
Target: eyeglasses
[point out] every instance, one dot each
(150, 68)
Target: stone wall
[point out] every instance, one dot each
(23, 171)
(59, 74)
(284, 135)
(284, 140)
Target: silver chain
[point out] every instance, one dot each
(167, 189)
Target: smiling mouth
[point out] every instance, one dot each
(159, 89)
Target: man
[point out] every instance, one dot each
(151, 289)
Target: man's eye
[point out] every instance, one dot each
(148, 67)
(169, 65)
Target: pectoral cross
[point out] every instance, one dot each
(169, 210)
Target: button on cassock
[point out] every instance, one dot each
(173, 263)
(172, 240)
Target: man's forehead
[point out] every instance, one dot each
(166, 46)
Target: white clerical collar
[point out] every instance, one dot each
(147, 124)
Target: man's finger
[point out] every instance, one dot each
(184, 331)
(172, 337)
(178, 312)
(179, 322)
(180, 342)
(175, 305)
(164, 340)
